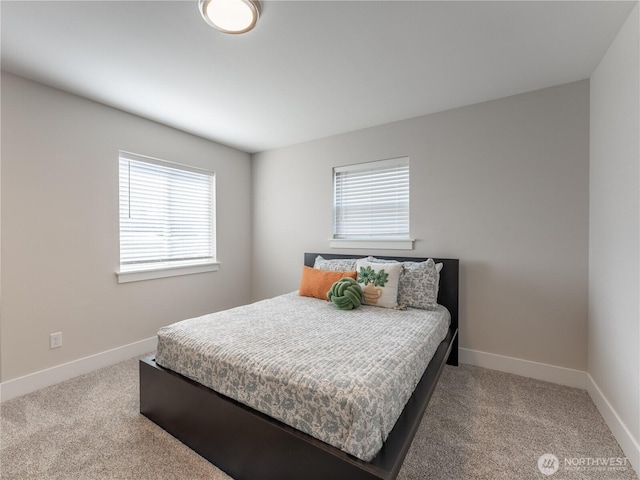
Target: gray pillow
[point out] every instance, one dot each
(418, 287)
(336, 265)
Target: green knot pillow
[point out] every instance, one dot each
(345, 294)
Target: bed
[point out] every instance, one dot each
(248, 444)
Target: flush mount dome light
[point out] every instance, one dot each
(230, 16)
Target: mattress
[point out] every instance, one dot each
(343, 377)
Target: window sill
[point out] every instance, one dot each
(149, 273)
(374, 244)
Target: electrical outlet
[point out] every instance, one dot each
(55, 340)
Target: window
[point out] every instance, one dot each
(371, 205)
(166, 219)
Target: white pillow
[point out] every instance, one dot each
(379, 282)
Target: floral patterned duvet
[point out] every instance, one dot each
(343, 377)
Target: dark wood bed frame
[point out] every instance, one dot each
(249, 445)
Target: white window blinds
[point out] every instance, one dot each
(371, 200)
(166, 214)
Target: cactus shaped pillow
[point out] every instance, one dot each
(379, 282)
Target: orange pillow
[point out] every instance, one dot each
(316, 283)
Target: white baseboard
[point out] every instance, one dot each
(562, 376)
(50, 376)
(525, 368)
(630, 445)
(540, 371)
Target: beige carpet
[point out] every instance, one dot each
(481, 424)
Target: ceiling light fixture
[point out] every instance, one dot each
(230, 16)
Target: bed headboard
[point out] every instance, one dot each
(449, 277)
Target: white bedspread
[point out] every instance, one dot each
(343, 377)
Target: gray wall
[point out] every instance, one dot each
(60, 242)
(614, 236)
(502, 185)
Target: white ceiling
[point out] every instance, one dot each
(310, 69)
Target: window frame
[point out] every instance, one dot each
(150, 270)
(371, 241)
